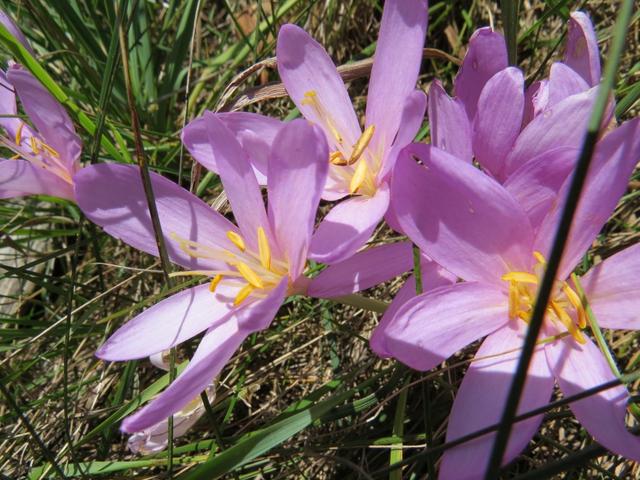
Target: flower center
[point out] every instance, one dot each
(359, 165)
(255, 272)
(523, 287)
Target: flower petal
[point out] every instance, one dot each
(481, 398)
(536, 97)
(348, 226)
(613, 290)
(459, 216)
(581, 52)
(297, 173)
(395, 67)
(254, 132)
(304, 67)
(614, 160)
(47, 115)
(19, 178)
(8, 23)
(433, 326)
(215, 350)
(450, 126)
(498, 119)
(581, 367)
(486, 56)
(363, 270)
(239, 181)
(535, 184)
(113, 197)
(8, 105)
(564, 82)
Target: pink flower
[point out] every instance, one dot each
(360, 161)
(251, 267)
(476, 229)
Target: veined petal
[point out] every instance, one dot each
(481, 398)
(47, 115)
(613, 290)
(459, 216)
(298, 169)
(19, 178)
(363, 270)
(395, 67)
(450, 126)
(564, 82)
(8, 23)
(498, 119)
(581, 367)
(304, 67)
(348, 226)
(8, 105)
(113, 197)
(433, 326)
(536, 97)
(581, 52)
(486, 56)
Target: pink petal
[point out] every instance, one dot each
(536, 97)
(169, 323)
(47, 115)
(254, 132)
(395, 68)
(112, 196)
(363, 270)
(215, 350)
(297, 173)
(614, 160)
(456, 214)
(498, 119)
(304, 66)
(450, 126)
(564, 82)
(433, 326)
(433, 276)
(486, 56)
(613, 290)
(8, 23)
(535, 184)
(581, 52)
(348, 226)
(8, 104)
(481, 398)
(239, 181)
(581, 367)
(19, 178)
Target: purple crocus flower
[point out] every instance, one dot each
(47, 153)
(251, 267)
(360, 161)
(476, 229)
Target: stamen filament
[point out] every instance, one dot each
(19, 133)
(263, 249)
(214, 283)
(359, 176)
(237, 240)
(243, 294)
(361, 144)
(524, 277)
(249, 275)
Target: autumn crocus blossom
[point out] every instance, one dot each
(360, 160)
(251, 267)
(47, 152)
(474, 227)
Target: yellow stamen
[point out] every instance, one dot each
(243, 294)
(513, 299)
(524, 277)
(264, 249)
(311, 99)
(214, 283)
(567, 321)
(34, 145)
(53, 152)
(359, 177)
(249, 275)
(237, 240)
(540, 258)
(361, 144)
(19, 134)
(17, 156)
(576, 301)
(336, 158)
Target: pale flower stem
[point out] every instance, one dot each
(359, 301)
(417, 269)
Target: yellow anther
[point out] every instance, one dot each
(17, 156)
(214, 283)
(540, 258)
(359, 176)
(524, 277)
(19, 133)
(361, 144)
(53, 152)
(575, 300)
(513, 299)
(237, 240)
(34, 145)
(249, 275)
(567, 321)
(264, 249)
(243, 294)
(336, 158)
(310, 98)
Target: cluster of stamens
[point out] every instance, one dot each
(255, 271)
(523, 288)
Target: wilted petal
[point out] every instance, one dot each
(450, 126)
(581, 53)
(297, 173)
(19, 178)
(348, 226)
(581, 367)
(433, 326)
(481, 398)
